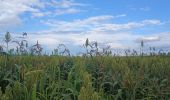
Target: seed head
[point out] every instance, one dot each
(142, 43)
(87, 42)
(7, 37)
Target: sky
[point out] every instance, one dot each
(118, 23)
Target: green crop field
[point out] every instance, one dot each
(84, 78)
(84, 49)
(31, 75)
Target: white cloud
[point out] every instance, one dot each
(144, 8)
(41, 14)
(140, 8)
(67, 11)
(161, 41)
(9, 21)
(51, 40)
(149, 39)
(118, 40)
(77, 22)
(80, 24)
(98, 23)
(127, 26)
(65, 3)
(11, 10)
(96, 28)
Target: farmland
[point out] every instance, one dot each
(28, 74)
(84, 78)
(84, 49)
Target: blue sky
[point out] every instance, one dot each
(118, 23)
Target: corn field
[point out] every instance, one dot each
(78, 78)
(90, 77)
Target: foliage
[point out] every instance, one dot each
(72, 78)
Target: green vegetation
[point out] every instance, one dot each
(84, 78)
(94, 76)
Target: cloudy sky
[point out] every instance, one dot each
(118, 23)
